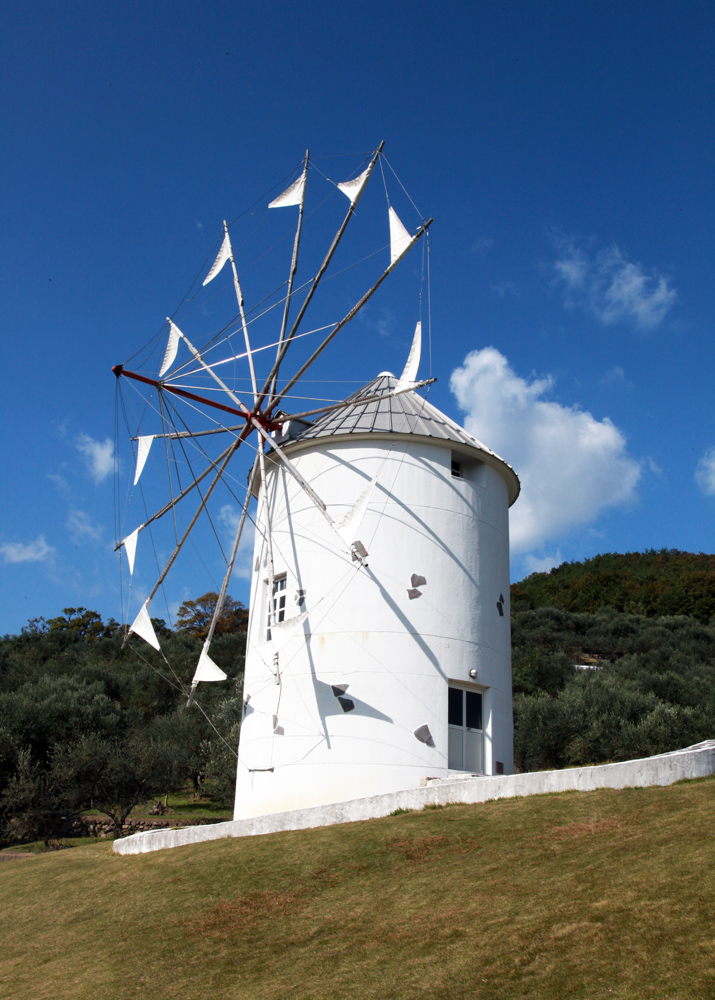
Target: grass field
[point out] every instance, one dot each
(578, 895)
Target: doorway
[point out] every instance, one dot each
(466, 730)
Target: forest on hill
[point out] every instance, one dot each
(662, 582)
(598, 675)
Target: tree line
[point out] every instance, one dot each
(87, 722)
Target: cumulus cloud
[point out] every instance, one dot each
(18, 552)
(81, 526)
(615, 376)
(482, 244)
(705, 473)
(505, 289)
(98, 456)
(612, 287)
(541, 564)
(571, 465)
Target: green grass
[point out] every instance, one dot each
(598, 895)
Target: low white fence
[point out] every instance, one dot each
(693, 762)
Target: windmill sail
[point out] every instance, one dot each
(223, 255)
(292, 195)
(171, 348)
(353, 189)
(400, 239)
(347, 528)
(143, 446)
(408, 378)
(130, 547)
(206, 669)
(143, 627)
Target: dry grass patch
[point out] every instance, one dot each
(597, 895)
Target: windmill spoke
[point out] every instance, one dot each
(316, 281)
(353, 312)
(214, 483)
(227, 577)
(293, 269)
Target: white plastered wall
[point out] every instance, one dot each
(298, 747)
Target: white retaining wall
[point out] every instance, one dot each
(693, 762)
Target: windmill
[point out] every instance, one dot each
(378, 650)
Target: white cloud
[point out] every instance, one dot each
(541, 564)
(610, 286)
(505, 289)
(615, 376)
(37, 551)
(705, 473)
(386, 323)
(98, 456)
(81, 527)
(571, 465)
(482, 244)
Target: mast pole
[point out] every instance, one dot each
(353, 312)
(234, 552)
(194, 519)
(293, 267)
(319, 275)
(252, 419)
(239, 297)
(120, 370)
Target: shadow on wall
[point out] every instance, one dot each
(335, 699)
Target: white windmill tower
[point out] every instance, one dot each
(378, 647)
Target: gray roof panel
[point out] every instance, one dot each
(406, 413)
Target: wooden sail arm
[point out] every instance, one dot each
(120, 370)
(269, 440)
(229, 570)
(173, 502)
(316, 281)
(286, 417)
(239, 299)
(353, 312)
(293, 268)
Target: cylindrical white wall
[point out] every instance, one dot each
(396, 655)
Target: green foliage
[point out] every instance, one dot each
(87, 721)
(646, 686)
(195, 617)
(665, 582)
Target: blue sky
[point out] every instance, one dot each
(565, 151)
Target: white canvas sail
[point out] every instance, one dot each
(283, 632)
(143, 446)
(143, 627)
(292, 195)
(400, 239)
(171, 348)
(223, 255)
(347, 528)
(206, 669)
(409, 375)
(353, 189)
(130, 547)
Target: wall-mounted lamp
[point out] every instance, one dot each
(473, 673)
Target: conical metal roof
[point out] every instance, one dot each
(372, 410)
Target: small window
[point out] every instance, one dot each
(279, 603)
(474, 710)
(454, 713)
(457, 469)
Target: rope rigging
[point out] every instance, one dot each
(260, 410)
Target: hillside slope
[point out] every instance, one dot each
(604, 894)
(665, 582)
